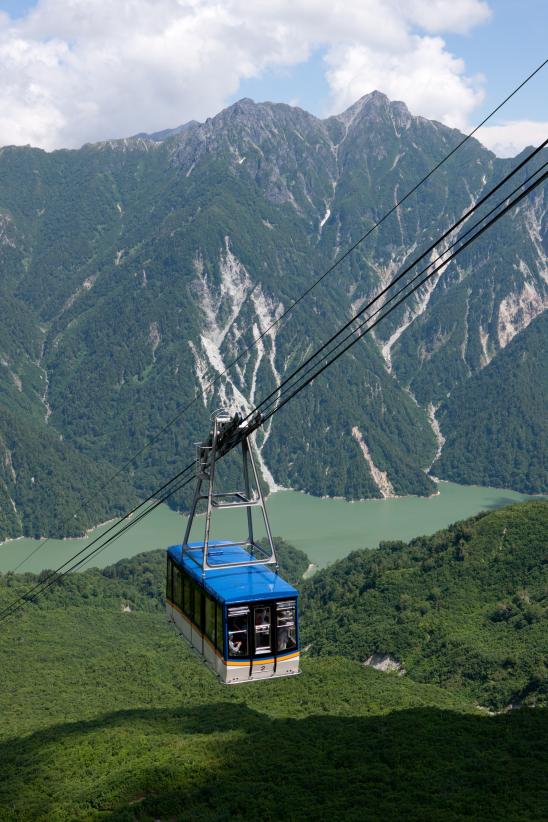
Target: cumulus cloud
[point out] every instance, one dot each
(425, 76)
(73, 71)
(508, 139)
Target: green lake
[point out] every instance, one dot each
(326, 529)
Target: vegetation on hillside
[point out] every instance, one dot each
(466, 608)
(496, 425)
(107, 714)
(118, 260)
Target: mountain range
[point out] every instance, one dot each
(134, 271)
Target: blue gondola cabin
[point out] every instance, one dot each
(241, 620)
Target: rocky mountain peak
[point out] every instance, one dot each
(376, 107)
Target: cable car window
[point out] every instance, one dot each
(219, 620)
(188, 598)
(210, 618)
(198, 596)
(237, 631)
(169, 581)
(287, 629)
(263, 643)
(177, 587)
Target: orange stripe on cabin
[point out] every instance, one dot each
(195, 628)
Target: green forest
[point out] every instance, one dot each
(466, 608)
(496, 425)
(132, 272)
(108, 715)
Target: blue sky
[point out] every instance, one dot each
(73, 71)
(505, 50)
(16, 8)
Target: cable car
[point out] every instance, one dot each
(238, 613)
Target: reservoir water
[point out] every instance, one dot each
(326, 529)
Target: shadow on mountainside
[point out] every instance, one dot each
(225, 761)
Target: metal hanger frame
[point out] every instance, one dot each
(206, 456)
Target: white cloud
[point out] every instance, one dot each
(508, 139)
(73, 71)
(425, 76)
(436, 16)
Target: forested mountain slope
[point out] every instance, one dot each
(106, 714)
(118, 720)
(466, 608)
(496, 424)
(140, 268)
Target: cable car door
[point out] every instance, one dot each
(262, 622)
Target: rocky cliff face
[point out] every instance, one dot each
(134, 271)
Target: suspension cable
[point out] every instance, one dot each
(309, 364)
(290, 308)
(396, 279)
(63, 570)
(53, 576)
(442, 264)
(60, 572)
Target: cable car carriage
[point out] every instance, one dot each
(226, 598)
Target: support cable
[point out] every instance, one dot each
(497, 217)
(442, 261)
(59, 573)
(290, 308)
(402, 274)
(53, 576)
(43, 585)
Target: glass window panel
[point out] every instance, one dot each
(237, 632)
(220, 636)
(169, 580)
(177, 587)
(287, 627)
(263, 643)
(198, 596)
(188, 600)
(210, 618)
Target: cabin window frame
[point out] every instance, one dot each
(176, 586)
(198, 603)
(188, 600)
(169, 580)
(257, 607)
(247, 614)
(281, 605)
(208, 600)
(220, 623)
(273, 605)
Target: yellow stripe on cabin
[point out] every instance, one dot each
(232, 663)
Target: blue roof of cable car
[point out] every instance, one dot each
(244, 584)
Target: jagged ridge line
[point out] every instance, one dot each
(296, 302)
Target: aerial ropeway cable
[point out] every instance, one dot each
(267, 402)
(441, 264)
(213, 380)
(273, 402)
(239, 638)
(131, 518)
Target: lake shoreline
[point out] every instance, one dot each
(325, 529)
(84, 536)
